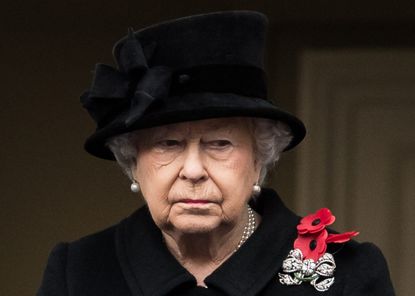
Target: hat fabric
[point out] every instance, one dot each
(192, 68)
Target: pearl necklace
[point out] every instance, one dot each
(248, 229)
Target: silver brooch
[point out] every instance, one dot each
(319, 274)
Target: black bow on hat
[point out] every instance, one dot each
(133, 87)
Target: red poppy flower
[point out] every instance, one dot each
(312, 245)
(316, 222)
(341, 238)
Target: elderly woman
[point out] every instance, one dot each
(185, 114)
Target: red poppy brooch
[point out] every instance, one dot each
(308, 261)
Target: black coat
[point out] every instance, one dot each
(130, 258)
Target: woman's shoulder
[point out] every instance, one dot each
(100, 238)
(85, 264)
(364, 258)
(360, 251)
(104, 237)
(93, 247)
(364, 269)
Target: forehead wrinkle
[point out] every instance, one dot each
(161, 131)
(194, 128)
(189, 129)
(220, 125)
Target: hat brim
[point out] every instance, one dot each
(191, 107)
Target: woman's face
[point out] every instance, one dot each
(197, 176)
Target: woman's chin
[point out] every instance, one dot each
(193, 224)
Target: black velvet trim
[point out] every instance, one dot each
(238, 79)
(113, 92)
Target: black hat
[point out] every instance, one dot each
(196, 67)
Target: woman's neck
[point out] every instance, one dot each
(202, 253)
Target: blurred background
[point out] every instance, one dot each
(347, 68)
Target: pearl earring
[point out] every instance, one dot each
(135, 187)
(256, 189)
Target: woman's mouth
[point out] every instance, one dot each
(195, 201)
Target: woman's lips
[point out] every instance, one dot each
(195, 201)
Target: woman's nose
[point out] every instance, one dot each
(193, 168)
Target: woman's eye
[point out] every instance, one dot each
(168, 144)
(220, 144)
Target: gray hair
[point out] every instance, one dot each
(271, 138)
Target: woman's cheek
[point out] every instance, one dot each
(155, 195)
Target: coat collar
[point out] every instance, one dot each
(140, 249)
